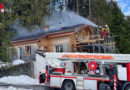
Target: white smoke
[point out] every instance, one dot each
(21, 31)
(67, 18)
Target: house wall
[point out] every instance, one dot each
(83, 35)
(72, 42)
(42, 44)
(50, 43)
(64, 41)
(23, 54)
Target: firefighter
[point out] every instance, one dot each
(107, 33)
(102, 32)
(100, 28)
(107, 28)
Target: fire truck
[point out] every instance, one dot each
(86, 71)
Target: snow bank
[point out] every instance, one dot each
(4, 65)
(22, 79)
(17, 62)
(13, 88)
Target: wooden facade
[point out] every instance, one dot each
(81, 35)
(73, 40)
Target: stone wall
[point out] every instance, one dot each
(22, 69)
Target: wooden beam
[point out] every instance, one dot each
(24, 42)
(61, 34)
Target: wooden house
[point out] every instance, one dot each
(77, 38)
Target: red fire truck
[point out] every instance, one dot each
(87, 71)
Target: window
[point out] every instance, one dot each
(59, 48)
(42, 48)
(28, 50)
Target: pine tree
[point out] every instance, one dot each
(117, 26)
(82, 5)
(30, 12)
(127, 26)
(108, 12)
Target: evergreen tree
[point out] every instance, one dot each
(82, 5)
(30, 12)
(127, 26)
(108, 12)
(117, 26)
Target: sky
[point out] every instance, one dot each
(125, 6)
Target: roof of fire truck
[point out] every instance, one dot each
(81, 57)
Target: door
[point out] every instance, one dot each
(20, 53)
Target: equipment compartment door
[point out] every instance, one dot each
(90, 85)
(55, 82)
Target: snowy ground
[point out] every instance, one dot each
(3, 64)
(14, 62)
(17, 62)
(22, 82)
(13, 88)
(19, 80)
(23, 87)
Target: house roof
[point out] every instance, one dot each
(49, 32)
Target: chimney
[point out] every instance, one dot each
(60, 25)
(46, 28)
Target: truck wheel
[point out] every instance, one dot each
(127, 87)
(68, 85)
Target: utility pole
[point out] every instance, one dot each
(77, 5)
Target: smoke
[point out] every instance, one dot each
(67, 18)
(21, 31)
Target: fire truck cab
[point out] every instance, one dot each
(86, 71)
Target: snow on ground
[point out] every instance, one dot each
(13, 88)
(17, 62)
(4, 64)
(19, 80)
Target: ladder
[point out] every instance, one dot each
(79, 83)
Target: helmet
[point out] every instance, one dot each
(106, 25)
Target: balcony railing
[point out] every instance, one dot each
(95, 38)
